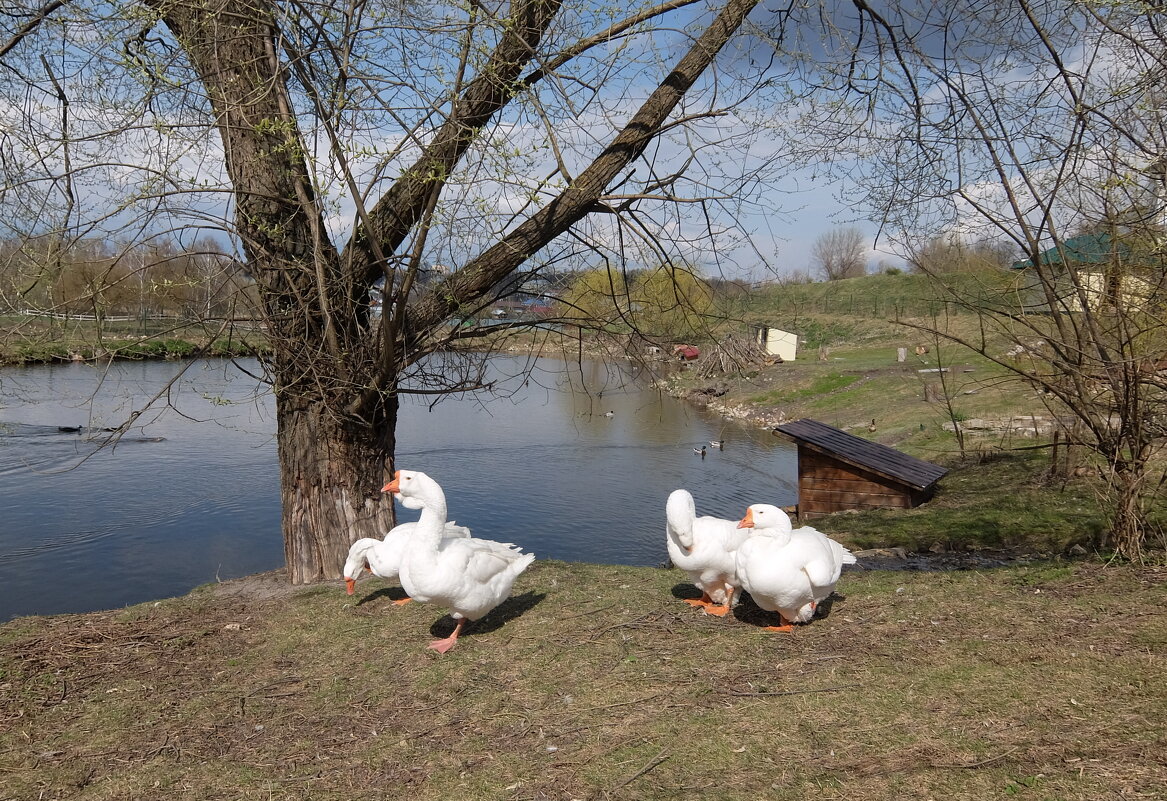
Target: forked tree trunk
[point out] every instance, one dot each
(330, 482)
(332, 466)
(1130, 520)
(334, 453)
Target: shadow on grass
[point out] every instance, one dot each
(683, 590)
(748, 612)
(495, 619)
(390, 593)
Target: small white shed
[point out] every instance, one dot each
(777, 342)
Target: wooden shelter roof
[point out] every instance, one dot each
(863, 453)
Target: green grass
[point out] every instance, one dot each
(882, 297)
(35, 341)
(597, 682)
(820, 385)
(856, 385)
(848, 373)
(1002, 503)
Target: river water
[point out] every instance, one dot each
(190, 494)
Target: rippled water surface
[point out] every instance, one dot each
(191, 492)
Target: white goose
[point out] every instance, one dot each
(470, 576)
(383, 557)
(704, 548)
(786, 571)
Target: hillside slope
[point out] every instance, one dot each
(1004, 489)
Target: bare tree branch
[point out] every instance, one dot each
(38, 16)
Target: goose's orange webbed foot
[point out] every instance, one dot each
(443, 645)
(704, 601)
(784, 625)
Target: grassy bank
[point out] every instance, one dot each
(25, 340)
(596, 682)
(1006, 504)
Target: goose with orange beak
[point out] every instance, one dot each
(383, 557)
(785, 570)
(468, 575)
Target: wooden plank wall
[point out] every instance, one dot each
(827, 485)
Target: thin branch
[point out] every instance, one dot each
(39, 16)
(579, 199)
(652, 763)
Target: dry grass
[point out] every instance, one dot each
(596, 682)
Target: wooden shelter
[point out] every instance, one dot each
(838, 471)
(776, 342)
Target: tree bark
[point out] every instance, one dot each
(1127, 528)
(331, 477)
(332, 465)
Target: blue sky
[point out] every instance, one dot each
(816, 209)
(130, 160)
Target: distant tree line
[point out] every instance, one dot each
(667, 302)
(940, 255)
(93, 278)
(842, 253)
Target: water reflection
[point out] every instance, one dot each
(191, 492)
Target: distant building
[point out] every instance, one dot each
(1093, 259)
(507, 308)
(538, 306)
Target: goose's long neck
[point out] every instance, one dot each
(433, 518)
(679, 514)
(780, 534)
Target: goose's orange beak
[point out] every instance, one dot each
(748, 520)
(350, 585)
(394, 485)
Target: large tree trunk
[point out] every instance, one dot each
(332, 459)
(331, 476)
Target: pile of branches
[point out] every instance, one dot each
(733, 354)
